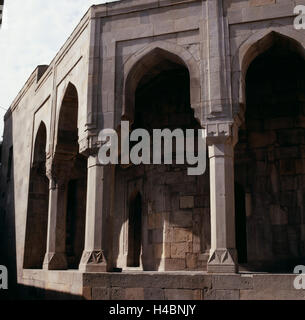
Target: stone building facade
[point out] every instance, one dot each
(234, 68)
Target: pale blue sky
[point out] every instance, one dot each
(32, 33)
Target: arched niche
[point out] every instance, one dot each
(38, 200)
(268, 156)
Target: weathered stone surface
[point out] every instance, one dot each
(191, 261)
(227, 295)
(261, 2)
(278, 215)
(175, 264)
(258, 140)
(87, 293)
(182, 235)
(187, 202)
(176, 285)
(118, 294)
(153, 294)
(134, 294)
(271, 294)
(182, 219)
(101, 293)
(179, 250)
(176, 294)
(231, 282)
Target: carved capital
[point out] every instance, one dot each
(89, 145)
(221, 132)
(83, 146)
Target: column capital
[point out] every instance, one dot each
(89, 145)
(221, 132)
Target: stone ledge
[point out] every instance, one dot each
(164, 285)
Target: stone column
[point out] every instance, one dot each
(223, 256)
(93, 259)
(55, 258)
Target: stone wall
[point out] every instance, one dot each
(176, 219)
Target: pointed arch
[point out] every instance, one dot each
(255, 45)
(40, 144)
(67, 124)
(38, 200)
(271, 90)
(160, 87)
(143, 61)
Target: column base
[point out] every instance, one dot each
(223, 261)
(55, 261)
(93, 261)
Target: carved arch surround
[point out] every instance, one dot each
(252, 47)
(140, 62)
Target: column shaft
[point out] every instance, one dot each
(55, 258)
(223, 255)
(93, 259)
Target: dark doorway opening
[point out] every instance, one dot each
(71, 223)
(76, 219)
(240, 223)
(269, 162)
(135, 232)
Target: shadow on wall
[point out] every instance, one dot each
(22, 292)
(8, 235)
(7, 210)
